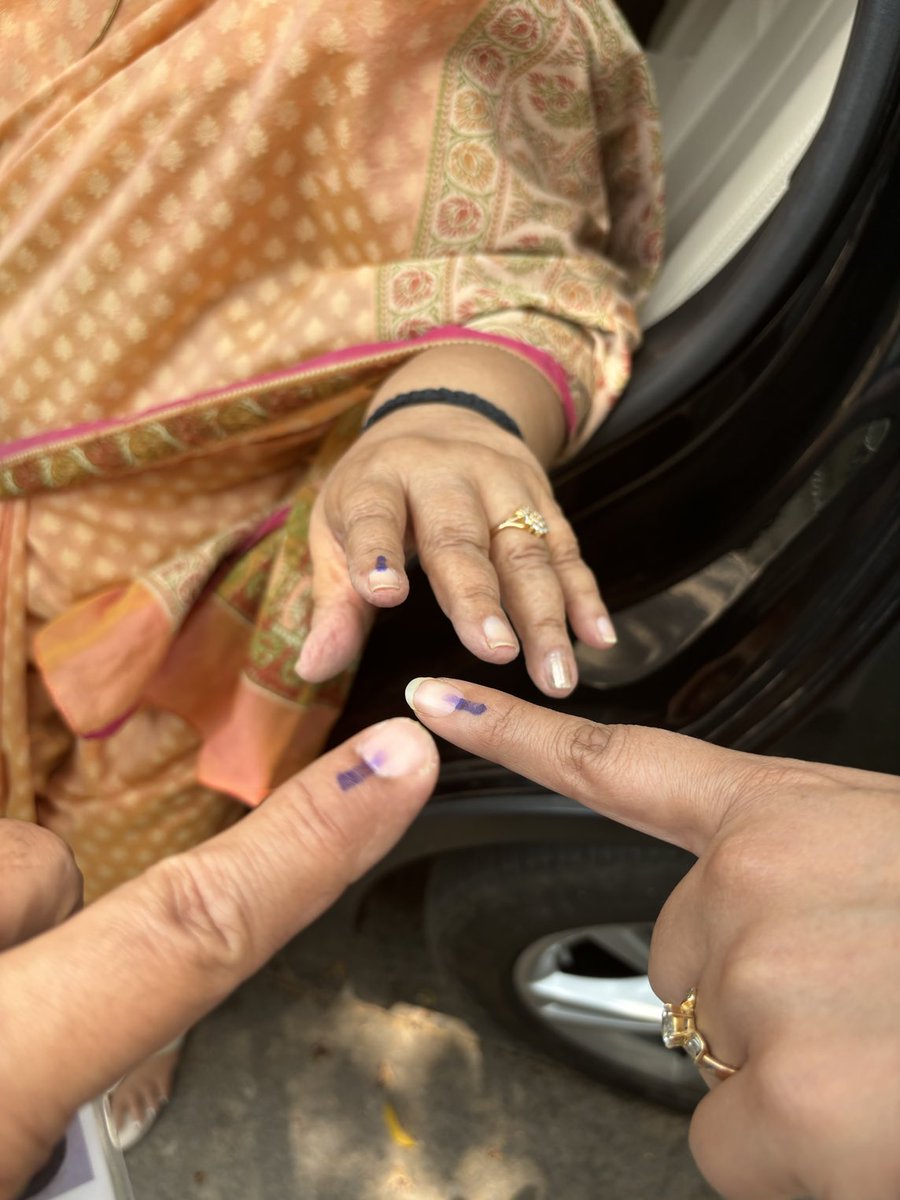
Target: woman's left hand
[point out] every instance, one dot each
(438, 480)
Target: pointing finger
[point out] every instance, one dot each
(660, 783)
(145, 962)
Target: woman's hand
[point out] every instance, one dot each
(85, 1000)
(436, 480)
(788, 927)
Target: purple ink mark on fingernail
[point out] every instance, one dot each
(376, 760)
(356, 775)
(381, 563)
(470, 706)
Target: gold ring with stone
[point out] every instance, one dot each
(525, 518)
(680, 1033)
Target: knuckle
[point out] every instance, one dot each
(567, 558)
(200, 911)
(525, 556)
(364, 517)
(23, 844)
(465, 537)
(772, 779)
(799, 1109)
(552, 625)
(751, 970)
(747, 970)
(613, 747)
(534, 477)
(469, 597)
(564, 548)
(737, 865)
(582, 749)
(29, 848)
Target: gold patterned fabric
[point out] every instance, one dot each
(218, 231)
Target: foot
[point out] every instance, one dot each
(140, 1096)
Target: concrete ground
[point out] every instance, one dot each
(334, 1075)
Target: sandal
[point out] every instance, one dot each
(132, 1126)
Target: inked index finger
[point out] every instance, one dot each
(673, 787)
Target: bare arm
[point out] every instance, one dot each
(500, 376)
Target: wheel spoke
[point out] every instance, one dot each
(628, 944)
(577, 1000)
(610, 1003)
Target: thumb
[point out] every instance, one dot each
(102, 991)
(673, 787)
(341, 619)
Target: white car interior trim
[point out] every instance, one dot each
(743, 87)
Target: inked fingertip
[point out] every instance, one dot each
(437, 699)
(431, 697)
(396, 747)
(354, 776)
(383, 577)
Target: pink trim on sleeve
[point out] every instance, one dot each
(353, 355)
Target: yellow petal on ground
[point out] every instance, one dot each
(399, 1136)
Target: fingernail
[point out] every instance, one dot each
(607, 631)
(437, 699)
(497, 633)
(559, 671)
(394, 748)
(384, 578)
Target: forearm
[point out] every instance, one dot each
(499, 376)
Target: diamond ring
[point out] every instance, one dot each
(680, 1033)
(525, 518)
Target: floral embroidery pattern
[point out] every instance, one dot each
(146, 441)
(471, 111)
(412, 288)
(179, 582)
(517, 27)
(471, 166)
(459, 218)
(557, 99)
(542, 215)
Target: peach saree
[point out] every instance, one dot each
(219, 230)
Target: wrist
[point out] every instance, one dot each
(499, 377)
(437, 420)
(445, 398)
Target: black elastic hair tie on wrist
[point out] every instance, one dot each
(446, 396)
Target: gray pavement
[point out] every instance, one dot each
(284, 1092)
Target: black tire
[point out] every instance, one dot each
(484, 908)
